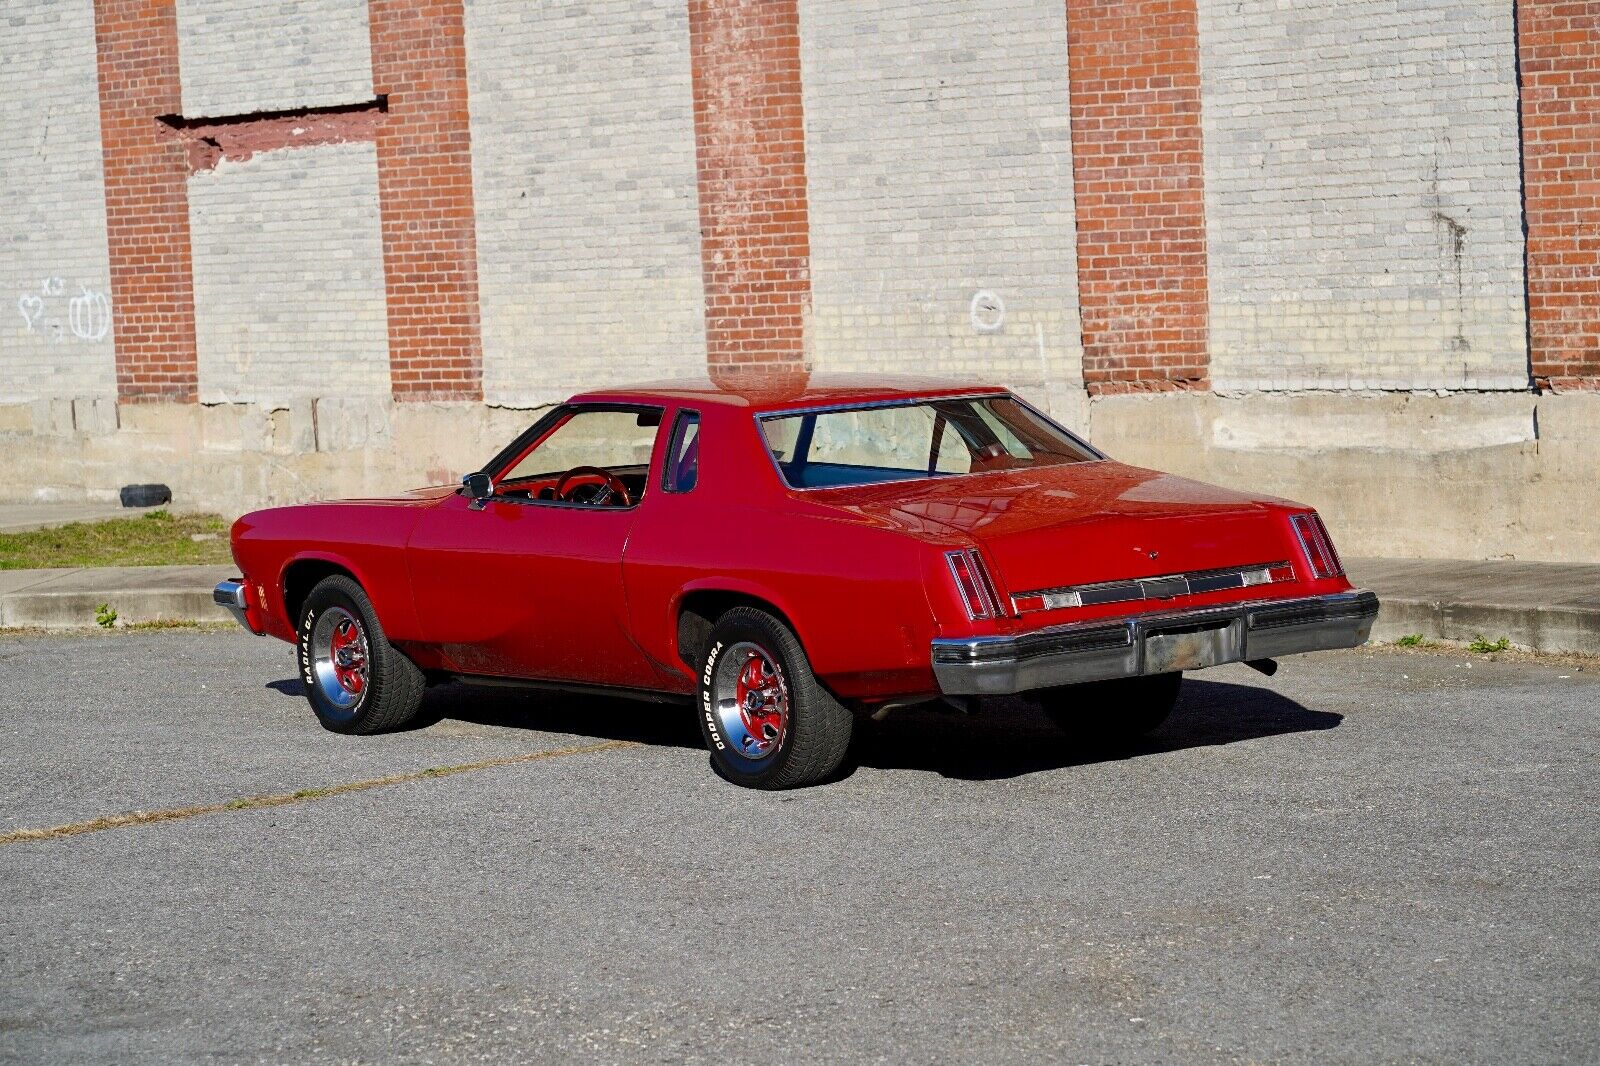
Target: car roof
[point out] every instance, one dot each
(766, 389)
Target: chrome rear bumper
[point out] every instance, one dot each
(1151, 643)
(231, 594)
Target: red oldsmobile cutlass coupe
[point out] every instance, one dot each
(789, 560)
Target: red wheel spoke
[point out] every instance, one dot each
(343, 660)
(752, 701)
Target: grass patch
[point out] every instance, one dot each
(155, 538)
(1411, 640)
(1485, 647)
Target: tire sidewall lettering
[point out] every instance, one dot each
(306, 626)
(308, 677)
(713, 729)
(722, 750)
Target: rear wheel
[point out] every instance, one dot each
(1119, 709)
(766, 720)
(354, 679)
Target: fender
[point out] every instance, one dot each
(740, 586)
(394, 604)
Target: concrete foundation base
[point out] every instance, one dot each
(1465, 476)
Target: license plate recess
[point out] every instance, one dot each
(1192, 647)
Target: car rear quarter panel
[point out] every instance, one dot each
(853, 589)
(855, 596)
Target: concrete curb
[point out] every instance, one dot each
(1536, 606)
(1539, 607)
(1548, 629)
(68, 599)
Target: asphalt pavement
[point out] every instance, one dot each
(1374, 855)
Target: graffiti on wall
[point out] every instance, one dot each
(52, 314)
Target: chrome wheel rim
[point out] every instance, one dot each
(751, 697)
(340, 658)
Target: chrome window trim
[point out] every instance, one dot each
(521, 501)
(911, 401)
(872, 405)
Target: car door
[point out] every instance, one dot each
(527, 588)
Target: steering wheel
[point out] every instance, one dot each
(612, 486)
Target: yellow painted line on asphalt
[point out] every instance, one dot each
(305, 795)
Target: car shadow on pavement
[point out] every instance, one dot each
(1012, 737)
(511, 707)
(1006, 738)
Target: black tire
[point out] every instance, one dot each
(1120, 709)
(816, 738)
(391, 691)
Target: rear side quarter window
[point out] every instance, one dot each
(682, 467)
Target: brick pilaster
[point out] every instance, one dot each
(750, 147)
(147, 201)
(1559, 55)
(1139, 187)
(430, 256)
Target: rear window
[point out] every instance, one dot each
(916, 439)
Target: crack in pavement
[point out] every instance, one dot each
(305, 795)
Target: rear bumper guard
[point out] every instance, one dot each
(1153, 643)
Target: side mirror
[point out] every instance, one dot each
(479, 487)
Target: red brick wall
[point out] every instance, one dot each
(147, 201)
(1559, 45)
(1134, 70)
(750, 146)
(424, 149)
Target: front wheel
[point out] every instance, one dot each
(1123, 708)
(767, 722)
(354, 679)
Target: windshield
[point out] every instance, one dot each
(917, 439)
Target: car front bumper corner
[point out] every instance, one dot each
(1153, 643)
(234, 595)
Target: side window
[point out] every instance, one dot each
(1013, 445)
(782, 435)
(682, 467)
(618, 440)
(888, 438)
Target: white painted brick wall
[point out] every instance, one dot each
(55, 336)
(288, 276)
(939, 165)
(272, 55)
(1362, 198)
(584, 183)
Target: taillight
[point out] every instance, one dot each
(972, 582)
(1317, 544)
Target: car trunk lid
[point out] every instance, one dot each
(1084, 523)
